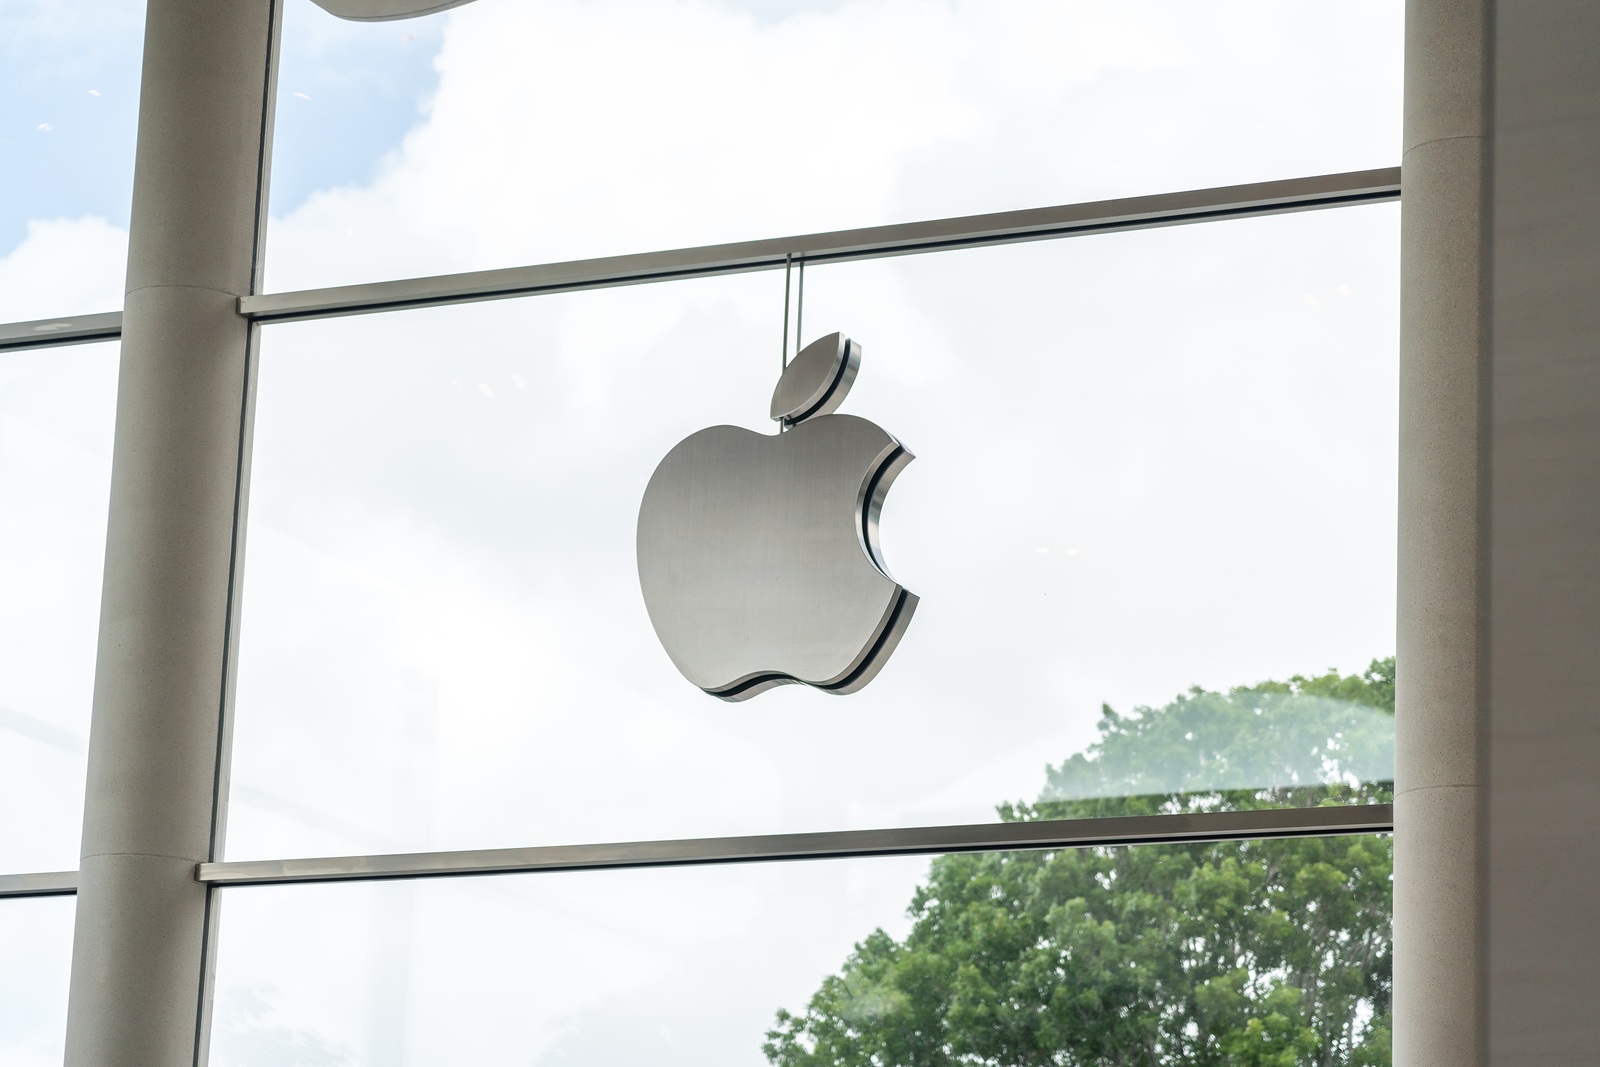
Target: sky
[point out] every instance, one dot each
(1145, 461)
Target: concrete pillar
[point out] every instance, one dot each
(1543, 813)
(1497, 859)
(1441, 682)
(156, 752)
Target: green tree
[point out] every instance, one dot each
(1270, 953)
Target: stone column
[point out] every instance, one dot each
(1543, 813)
(157, 754)
(1440, 654)
(1497, 855)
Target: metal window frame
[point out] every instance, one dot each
(1185, 207)
(1043, 834)
(56, 332)
(40, 884)
(1191, 828)
(839, 246)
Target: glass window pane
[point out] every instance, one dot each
(553, 131)
(36, 946)
(1206, 952)
(57, 407)
(1147, 462)
(67, 124)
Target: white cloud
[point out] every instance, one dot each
(569, 129)
(64, 267)
(37, 935)
(55, 473)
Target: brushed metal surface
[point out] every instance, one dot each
(870, 242)
(68, 330)
(43, 884)
(817, 380)
(758, 556)
(1191, 828)
(838, 246)
(385, 10)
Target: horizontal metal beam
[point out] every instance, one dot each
(51, 884)
(71, 330)
(909, 841)
(872, 242)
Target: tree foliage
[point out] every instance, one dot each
(1270, 953)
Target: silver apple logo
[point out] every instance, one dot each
(758, 555)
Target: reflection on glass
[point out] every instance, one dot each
(36, 947)
(1254, 952)
(67, 124)
(1299, 743)
(1145, 462)
(505, 133)
(56, 413)
(1263, 951)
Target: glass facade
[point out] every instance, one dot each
(57, 408)
(572, 130)
(1105, 510)
(35, 957)
(1081, 956)
(67, 119)
(1151, 523)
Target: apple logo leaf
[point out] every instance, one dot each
(815, 381)
(758, 554)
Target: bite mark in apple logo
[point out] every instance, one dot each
(758, 555)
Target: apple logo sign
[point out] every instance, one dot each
(758, 555)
